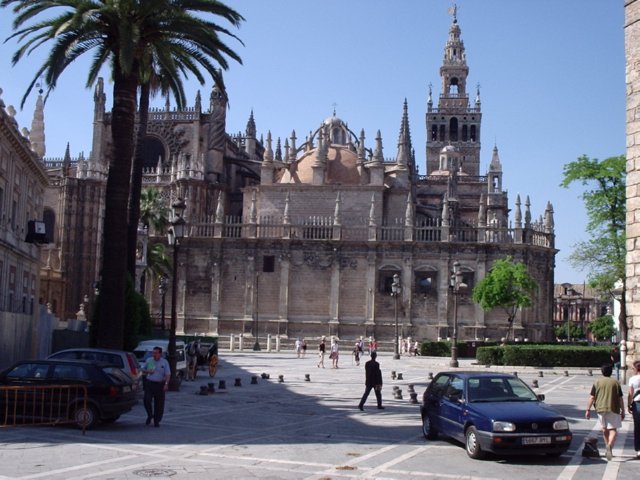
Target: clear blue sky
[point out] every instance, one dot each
(551, 75)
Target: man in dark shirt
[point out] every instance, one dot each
(373, 379)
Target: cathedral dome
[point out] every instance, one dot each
(341, 167)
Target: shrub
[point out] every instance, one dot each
(544, 355)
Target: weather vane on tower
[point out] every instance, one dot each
(453, 11)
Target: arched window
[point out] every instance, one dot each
(465, 133)
(152, 150)
(473, 133)
(49, 218)
(453, 86)
(441, 135)
(453, 129)
(434, 132)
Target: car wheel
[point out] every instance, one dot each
(472, 443)
(110, 419)
(428, 431)
(86, 417)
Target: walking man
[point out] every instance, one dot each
(634, 406)
(373, 380)
(156, 384)
(606, 396)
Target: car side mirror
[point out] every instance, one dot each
(540, 397)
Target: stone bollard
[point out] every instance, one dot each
(398, 394)
(411, 388)
(430, 377)
(222, 385)
(566, 373)
(590, 372)
(211, 388)
(232, 339)
(238, 382)
(393, 374)
(414, 397)
(399, 376)
(203, 390)
(278, 343)
(515, 374)
(590, 448)
(280, 378)
(268, 342)
(307, 377)
(534, 384)
(264, 376)
(541, 373)
(240, 342)
(254, 380)
(395, 389)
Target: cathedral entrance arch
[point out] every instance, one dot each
(153, 152)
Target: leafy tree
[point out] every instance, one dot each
(507, 286)
(603, 255)
(120, 33)
(602, 328)
(575, 332)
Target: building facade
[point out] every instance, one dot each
(303, 237)
(23, 182)
(577, 305)
(632, 50)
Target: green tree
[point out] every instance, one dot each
(508, 286)
(602, 328)
(575, 332)
(603, 255)
(120, 34)
(154, 211)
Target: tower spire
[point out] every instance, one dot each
(37, 127)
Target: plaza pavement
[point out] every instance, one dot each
(301, 429)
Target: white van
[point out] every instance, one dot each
(145, 348)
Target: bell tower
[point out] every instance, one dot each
(454, 121)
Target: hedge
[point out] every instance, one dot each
(544, 355)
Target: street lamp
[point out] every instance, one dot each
(396, 289)
(455, 285)
(162, 288)
(175, 234)
(571, 312)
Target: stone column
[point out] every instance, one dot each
(632, 50)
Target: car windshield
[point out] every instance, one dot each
(499, 389)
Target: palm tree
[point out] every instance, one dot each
(154, 211)
(119, 33)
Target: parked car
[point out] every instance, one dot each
(109, 391)
(144, 350)
(125, 361)
(492, 412)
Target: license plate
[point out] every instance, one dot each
(536, 440)
(126, 389)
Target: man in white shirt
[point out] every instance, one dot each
(156, 383)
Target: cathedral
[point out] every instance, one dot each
(304, 236)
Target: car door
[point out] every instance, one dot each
(434, 399)
(452, 408)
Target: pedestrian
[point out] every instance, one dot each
(335, 353)
(372, 380)
(373, 345)
(298, 347)
(361, 346)
(606, 396)
(356, 354)
(634, 406)
(321, 351)
(304, 347)
(156, 383)
(615, 360)
(416, 348)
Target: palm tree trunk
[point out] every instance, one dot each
(136, 180)
(111, 315)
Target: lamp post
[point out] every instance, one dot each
(162, 288)
(175, 234)
(580, 316)
(571, 311)
(396, 289)
(455, 285)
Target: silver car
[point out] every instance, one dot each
(126, 361)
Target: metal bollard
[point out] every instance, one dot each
(211, 387)
(222, 385)
(590, 372)
(411, 388)
(430, 377)
(393, 374)
(203, 390)
(238, 382)
(395, 388)
(399, 376)
(414, 397)
(515, 374)
(398, 394)
(280, 378)
(264, 376)
(307, 377)
(254, 380)
(541, 373)
(534, 384)
(566, 373)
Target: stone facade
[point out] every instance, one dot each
(23, 181)
(632, 48)
(579, 305)
(302, 237)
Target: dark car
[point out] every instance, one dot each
(492, 412)
(110, 392)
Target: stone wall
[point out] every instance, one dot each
(632, 48)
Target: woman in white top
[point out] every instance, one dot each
(335, 353)
(634, 406)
